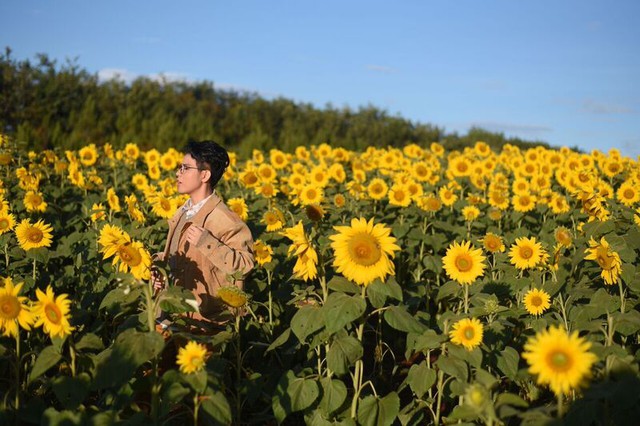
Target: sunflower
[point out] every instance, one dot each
(337, 173)
(110, 237)
(363, 251)
(311, 194)
(267, 173)
(132, 208)
(447, 196)
(113, 200)
(14, 311)
(134, 257)
(266, 189)
(463, 263)
(607, 258)
(278, 159)
(399, 195)
(97, 212)
(274, 219)
(132, 151)
(628, 193)
(249, 178)
(470, 213)
(34, 202)
(467, 332)
(377, 189)
(537, 301)
(7, 222)
(307, 257)
(33, 235)
(559, 204)
(164, 207)
(563, 236)
(561, 361)
(239, 206)
(339, 200)
(140, 181)
(498, 199)
(524, 202)
(430, 203)
(233, 296)
(88, 155)
(319, 176)
(263, 252)
(191, 358)
(527, 253)
(52, 313)
(314, 212)
(493, 243)
(495, 214)
(168, 161)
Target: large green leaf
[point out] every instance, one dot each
(71, 391)
(340, 310)
(117, 364)
(334, 394)
(374, 411)
(343, 353)
(215, 404)
(508, 362)
(293, 394)
(398, 318)
(421, 378)
(47, 358)
(307, 320)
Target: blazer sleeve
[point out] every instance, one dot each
(229, 251)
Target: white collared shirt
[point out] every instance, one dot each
(191, 209)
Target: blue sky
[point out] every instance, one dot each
(564, 72)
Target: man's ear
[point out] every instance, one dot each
(206, 177)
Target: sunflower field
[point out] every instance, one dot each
(413, 286)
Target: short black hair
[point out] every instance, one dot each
(209, 156)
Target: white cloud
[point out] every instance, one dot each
(381, 68)
(523, 130)
(596, 107)
(128, 77)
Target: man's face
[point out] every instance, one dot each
(188, 176)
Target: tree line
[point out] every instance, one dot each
(45, 105)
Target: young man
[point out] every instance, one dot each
(208, 245)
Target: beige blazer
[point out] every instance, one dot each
(223, 250)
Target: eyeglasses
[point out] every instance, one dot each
(183, 167)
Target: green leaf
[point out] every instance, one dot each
(334, 394)
(421, 378)
(510, 399)
(447, 289)
(628, 323)
(47, 358)
(302, 392)
(307, 320)
(215, 404)
(89, 341)
(378, 292)
(508, 362)
(343, 285)
(71, 391)
(173, 300)
(280, 340)
(373, 411)
(343, 353)
(454, 367)
(340, 310)
(398, 318)
(197, 380)
(429, 339)
(117, 364)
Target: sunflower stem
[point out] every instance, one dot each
(560, 406)
(357, 375)
(466, 298)
(34, 270)
(18, 365)
(621, 296)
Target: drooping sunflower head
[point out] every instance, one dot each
(363, 251)
(191, 358)
(467, 332)
(464, 263)
(607, 258)
(561, 361)
(563, 236)
(537, 301)
(314, 212)
(34, 235)
(263, 252)
(233, 296)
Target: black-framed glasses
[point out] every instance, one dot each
(183, 167)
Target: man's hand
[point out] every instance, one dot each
(157, 279)
(193, 234)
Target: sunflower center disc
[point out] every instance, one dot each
(35, 236)
(526, 252)
(469, 333)
(364, 250)
(53, 313)
(464, 263)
